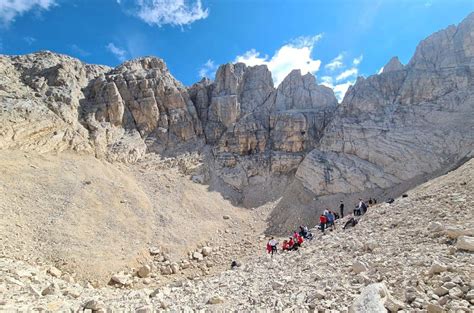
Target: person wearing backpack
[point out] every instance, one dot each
(322, 222)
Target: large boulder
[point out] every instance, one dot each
(375, 298)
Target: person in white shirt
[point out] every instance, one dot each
(273, 244)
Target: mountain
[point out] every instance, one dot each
(259, 143)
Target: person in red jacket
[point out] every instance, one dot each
(285, 245)
(291, 244)
(322, 222)
(300, 240)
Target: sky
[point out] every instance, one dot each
(335, 40)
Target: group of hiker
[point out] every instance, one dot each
(326, 221)
(292, 243)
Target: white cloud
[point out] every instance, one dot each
(79, 51)
(10, 9)
(294, 55)
(208, 69)
(357, 61)
(29, 40)
(347, 73)
(339, 77)
(335, 63)
(171, 12)
(341, 89)
(119, 53)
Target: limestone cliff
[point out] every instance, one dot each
(391, 131)
(396, 129)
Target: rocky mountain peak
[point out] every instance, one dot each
(450, 47)
(393, 65)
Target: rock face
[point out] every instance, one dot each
(397, 129)
(391, 131)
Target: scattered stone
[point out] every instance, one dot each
(455, 292)
(198, 256)
(433, 308)
(277, 285)
(437, 268)
(226, 217)
(53, 271)
(174, 268)
(375, 298)
(93, 305)
(144, 309)
(206, 251)
(144, 271)
(465, 243)
(441, 291)
(50, 290)
(166, 270)
(154, 250)
(359, 267)
(121, 279)
(215, 300)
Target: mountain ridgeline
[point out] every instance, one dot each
(259, 143)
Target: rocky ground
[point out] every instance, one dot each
(415, 255)
(92, 219)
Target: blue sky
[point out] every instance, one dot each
(336, 40)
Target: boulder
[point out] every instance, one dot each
(375, 298)
(465, 243)
(144, 271)
(121, 279)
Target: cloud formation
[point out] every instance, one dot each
(294, 55)
(167, 12)
(79, 51)
(29, 40)
(10, 9)
(119, 53)
(208, 69)
(335, 63)
(339, 76)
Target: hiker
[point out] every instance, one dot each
(295, 236)
(303, 231)
(370, 201)
(285, 246)
(375, 201)
(299, 241)
(322, 222)
(326, 212)
(291, 244)
(362, 207)
(273, 245)
(341, 209)
(336, 216)
(350, 223)
(357, 210)
(330, 220)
